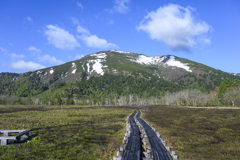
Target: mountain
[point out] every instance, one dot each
(236, 74)
(114, 72)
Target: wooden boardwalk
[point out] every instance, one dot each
(158, 149)
(132, 150)
(150, 141)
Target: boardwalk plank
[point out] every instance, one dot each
(132, 150)
(158, 149)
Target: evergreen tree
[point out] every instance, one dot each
(29, 100)
(19, 101)
(226, 84)
(4, 101)
(59, 99)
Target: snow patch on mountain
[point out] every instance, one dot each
(51, 71)
(160, 60)
(98, 68)
(74, 65)
(104, 66)
(142, 59)
(120, 51)
(88, 67)
(83, 68)
(15, 78)
(74, 71)
(235, 74)
(97, 63)
(172, 62)
(99, 55)
(155, 73)
(39, 72)
(74, 68)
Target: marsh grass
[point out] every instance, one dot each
(198, 133)
(98, 138)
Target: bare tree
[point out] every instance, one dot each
(232, 96)
(130, 99)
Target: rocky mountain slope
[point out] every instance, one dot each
(167, 73)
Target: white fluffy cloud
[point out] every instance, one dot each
(17, 56)
(33, 49)
(120, 6)
(27, 66)
(176, 26)
(93, 40)
(60, 38)
(82, 30)
(48, 58)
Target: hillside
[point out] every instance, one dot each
(114, 73)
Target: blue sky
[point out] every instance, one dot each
(43, 33)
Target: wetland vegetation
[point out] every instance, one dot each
(100, 135)
(198, 133)
(96, 132)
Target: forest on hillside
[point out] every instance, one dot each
(123, 90)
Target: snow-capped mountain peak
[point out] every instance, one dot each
(165, 61)
(111, 62)
(120, 51)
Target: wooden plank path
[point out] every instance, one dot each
(132, 149)
(158, 149)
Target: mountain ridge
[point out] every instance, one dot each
(167, 69)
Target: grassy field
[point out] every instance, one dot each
(198, 133)
(98, 138)
(93, 132)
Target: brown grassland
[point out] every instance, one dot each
(96, 132)
(198, 133)
(98, 138)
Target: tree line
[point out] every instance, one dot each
(123, 90)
